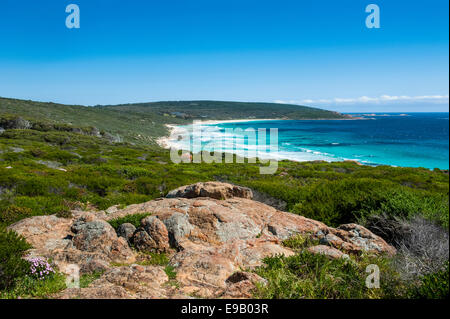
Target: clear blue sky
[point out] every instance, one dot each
(311, 52)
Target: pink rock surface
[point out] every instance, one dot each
(209, 241)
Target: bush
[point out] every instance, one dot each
(433, 286)
(422, 253)
(147, 186)
(170, 272)
(339, 202)
(64, 213)
(12, 265)
(309, 276)
(423, 248)
(159, 259)
(134, 219)
(41, 205)
(14, 213)
(28, 287)
(352, 200)
(87, 279)
(306, 275)
(33, 187)
(299, 242)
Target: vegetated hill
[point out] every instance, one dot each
(221, 110)
(143, 123)
(131, 127)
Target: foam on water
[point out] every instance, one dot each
(415, 140)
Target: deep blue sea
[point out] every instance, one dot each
(410, 140)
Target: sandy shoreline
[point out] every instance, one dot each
(208, 122)
(164, 140)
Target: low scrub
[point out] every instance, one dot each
(300, 242)
(14, 213)
(28, 287)
(134, 219)
(422, 245)
(307, 276)
(433, 286)
(12, 265)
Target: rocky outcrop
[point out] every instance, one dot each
(354, 238)
(158, 232)
(241, 285)
(143, 282)
(151, 237)
(94, 235)
(215, 190)
(204, 269)
(84, 240)
(126, 231)
(328, 251)
(209, 241)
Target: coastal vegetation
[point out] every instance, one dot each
(222, 110)
(141, 124)
(307, 275)
(56, 158)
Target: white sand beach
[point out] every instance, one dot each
(164, 141)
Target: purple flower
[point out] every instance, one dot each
(40, 268)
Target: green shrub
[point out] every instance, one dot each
(132, 172)
(41, 205)
(64, 213)
(406, 203)
(147, 186)
(28, 287)
(12, 265)
(37, 152)
(170, 272)
(13, 214)
(134, 219)
(352, 200)
(33, 187)
(98, 184)
(433, 286)
(306, 275)
(299, 242)
(87, 279)
(158, 259)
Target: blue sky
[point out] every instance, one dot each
(318, 53)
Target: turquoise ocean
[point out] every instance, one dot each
(409, 139)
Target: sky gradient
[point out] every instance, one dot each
(317, 53)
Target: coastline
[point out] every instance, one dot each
(334, 136)
(209, 122)
(166, 142)
(163, 141)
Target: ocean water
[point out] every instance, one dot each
(409, 140)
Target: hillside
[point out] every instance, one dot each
(220, 110)
(143, 123)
